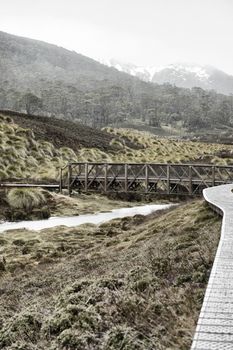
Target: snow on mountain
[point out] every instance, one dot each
(185, 75)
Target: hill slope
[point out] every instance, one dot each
(35, 147)
(63, 133)
(26, 63)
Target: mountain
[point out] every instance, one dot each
(27, 63)
(65, 83)
(43, 79)
(190, 75)
(184, 75)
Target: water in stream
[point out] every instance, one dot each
(83, 219)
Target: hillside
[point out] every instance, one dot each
(35, 147)
(63, 133)
(28, 64)
(40, 78)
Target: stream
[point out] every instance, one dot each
(71, 221)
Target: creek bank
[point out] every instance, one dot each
(83, 219)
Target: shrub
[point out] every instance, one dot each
(26, 198)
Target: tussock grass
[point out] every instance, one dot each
(26, 198)
(163, 150)
(23, 156)
(132, 283)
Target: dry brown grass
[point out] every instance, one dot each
(164, 150)
(22, 155)
(134, 283)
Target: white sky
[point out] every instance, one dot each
(144, 32)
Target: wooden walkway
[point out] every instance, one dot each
(28, 185)
(168, 179)
(215, 324)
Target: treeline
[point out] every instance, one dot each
(112, 104)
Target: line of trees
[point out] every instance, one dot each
(195, 108)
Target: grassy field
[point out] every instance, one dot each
(133, 283)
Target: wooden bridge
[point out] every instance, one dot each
(169, 179)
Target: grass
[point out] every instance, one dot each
(24, 156)
(24, 204)
(167, 150)
(132, 283)
(26, 198)
(30, 204)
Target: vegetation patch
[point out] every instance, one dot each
(24, 204)
(25, 156)
(167, 150)
(132, 283)
(30, 204)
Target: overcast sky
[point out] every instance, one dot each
(144, 32)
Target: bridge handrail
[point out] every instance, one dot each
(153, 163)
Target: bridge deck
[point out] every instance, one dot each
(215, 325)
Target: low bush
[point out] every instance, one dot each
(26, 199)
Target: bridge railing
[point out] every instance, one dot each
(161, 178)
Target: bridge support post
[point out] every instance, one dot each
(86, 177)
(213, 175)
(126, 177)
(105, 177)
(69, 179)
(168, 179)
(146, 177)
(190, 181)
(60, 183)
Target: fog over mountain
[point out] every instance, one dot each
(41, 78)
(185, 75)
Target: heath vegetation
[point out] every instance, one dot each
(132, 283)
(25, 156)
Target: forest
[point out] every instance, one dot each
(193, 108)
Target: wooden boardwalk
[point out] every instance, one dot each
(28, 185)
(215, 324)
(169, 179)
